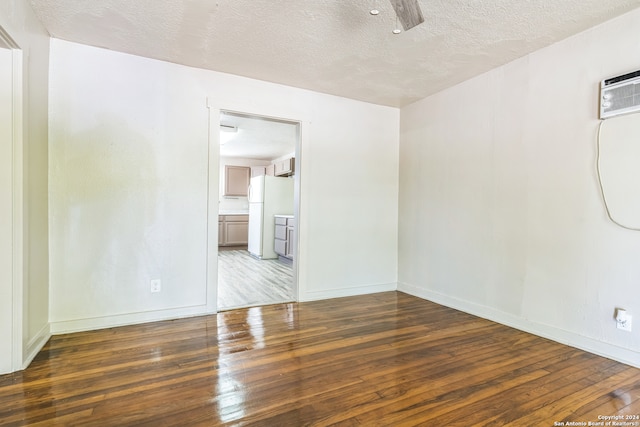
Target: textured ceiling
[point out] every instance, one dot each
(330, 46)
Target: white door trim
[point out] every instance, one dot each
(17, 285)
(18, 214)
(215, 108)
(213, 189)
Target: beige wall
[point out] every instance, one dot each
(129, 186)
(500, 212)
(30, 184)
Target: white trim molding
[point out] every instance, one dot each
(18, 212)
(17, 203)
(213, 190)
(608, 350)
(348, 291)
(103, 322)
(216, 107)
(7, 41)
(35, 344)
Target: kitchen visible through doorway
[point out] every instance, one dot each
(257, 242)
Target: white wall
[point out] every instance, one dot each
(500, 212)
(30, 184)
(129, 186)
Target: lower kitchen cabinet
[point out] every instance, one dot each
(233, 230)
(284, 236)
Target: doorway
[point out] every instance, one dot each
(257, 255)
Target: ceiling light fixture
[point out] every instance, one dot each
(227, 133)
(228, 128)
(374, 10)
(397, 29)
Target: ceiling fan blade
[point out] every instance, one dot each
(408, 12)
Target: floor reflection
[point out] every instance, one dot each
(238, 331)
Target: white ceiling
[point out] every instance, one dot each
(257, 137)
(330, 46)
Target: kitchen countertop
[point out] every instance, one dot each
(233, 213)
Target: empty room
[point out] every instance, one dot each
(380, 212)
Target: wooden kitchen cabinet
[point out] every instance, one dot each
(233, 230)
(284, 167)
(269, 170)
(290, 231)
(236, 180)
(284, 236)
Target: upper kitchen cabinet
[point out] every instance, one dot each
(236, 180)
(284, 167)
(268, 170)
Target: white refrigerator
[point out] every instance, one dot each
(268, 196)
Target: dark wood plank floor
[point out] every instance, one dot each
(387, 359)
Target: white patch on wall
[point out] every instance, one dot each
(619, 168)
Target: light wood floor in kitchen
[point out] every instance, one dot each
(244, 281)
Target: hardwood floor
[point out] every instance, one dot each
(244, 281)
(386, 359)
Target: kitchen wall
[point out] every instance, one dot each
(130, 188)
(500, 211)
(30, 184)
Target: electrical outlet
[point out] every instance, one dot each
(626, 324)
(156, 285)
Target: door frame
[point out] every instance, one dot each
(214, 185)
(17, 209)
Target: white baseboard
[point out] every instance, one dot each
(93, 323)
(561, 336)
(347, 292)
(89, 324)
(102, 322)
(35, 344)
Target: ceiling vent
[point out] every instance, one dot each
(620, 95)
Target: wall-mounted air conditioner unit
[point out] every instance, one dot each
(620, 95)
